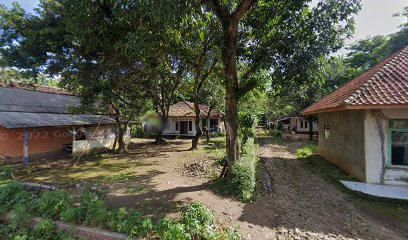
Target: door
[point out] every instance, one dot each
(183, 127)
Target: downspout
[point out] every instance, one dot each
(26, 159)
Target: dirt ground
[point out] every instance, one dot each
(299, 205)
(295, 203)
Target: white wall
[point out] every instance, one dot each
(170, 128)
(304, 128)
(378, 161)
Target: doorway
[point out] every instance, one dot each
(183, 127)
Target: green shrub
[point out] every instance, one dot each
(243, 181)
(196, 217)
(45, 230)
(167, 229)
(276, 133)
(7, 172)
(307, 150)
(51, 204)
(7, 195)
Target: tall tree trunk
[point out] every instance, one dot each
(199, 132)
(231, 89)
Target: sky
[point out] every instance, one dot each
(375, 18)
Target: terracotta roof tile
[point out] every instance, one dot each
(186, 109)
(384, 85)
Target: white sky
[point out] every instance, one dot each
(375, 18)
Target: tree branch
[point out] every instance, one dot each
(243, 8)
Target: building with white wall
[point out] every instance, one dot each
(363, 125)
(181, 121)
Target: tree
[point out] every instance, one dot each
(278, 35)
(82, 42)
(198, 31)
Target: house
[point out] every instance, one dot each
(364, 123)
(181, 121)
(35, 121)
(298, 124)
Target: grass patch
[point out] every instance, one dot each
(133, 190)
(307, 150)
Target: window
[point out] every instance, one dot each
(326, 131)
(177, 126)
(305, 124)
(301, 124)
(399, 142)
(190, 126)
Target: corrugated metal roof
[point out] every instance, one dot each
(23, 119)
(20, 100)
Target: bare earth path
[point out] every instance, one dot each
(297, 204)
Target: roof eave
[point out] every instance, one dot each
(354, 107)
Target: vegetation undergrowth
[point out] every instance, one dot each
(307, 150)
(244, 175)
(89, 209)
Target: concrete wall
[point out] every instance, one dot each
(345, 147)
(41, 140)
(378, 158)
(97, 139)
(305, 129)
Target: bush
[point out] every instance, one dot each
(7, 172)
(243, 181)
(276, 133)
(52, 204)
(307, 150)
(7, 195)
(45, 230)
(167, 229)
(90, 209)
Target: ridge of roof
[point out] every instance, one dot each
(37, 88)
(376, 86)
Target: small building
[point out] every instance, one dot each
(181, 121)
(298, 124)
(364, 123)
(36, 121)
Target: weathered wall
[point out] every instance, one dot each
(345, 147)
(378, 162)
(97, 139)
(41, 140)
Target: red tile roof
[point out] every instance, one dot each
(383, 86)
(186, 109)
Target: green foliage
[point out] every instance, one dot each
(195, 216)
(244, 176)
(44, 230)
(167, 229)
(90, 209)
(7, 172)
(307, 150)
(276, 133)
(8, 194)
(52, 204)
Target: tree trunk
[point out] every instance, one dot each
(121, 141)
(159, 136)
(197, 111)
(310, 129)
(231, 89)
